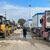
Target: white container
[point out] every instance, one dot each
(36, 20)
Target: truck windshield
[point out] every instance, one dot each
(48, 16)
(48, 19)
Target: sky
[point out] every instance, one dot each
(34, 3)
(16, 9)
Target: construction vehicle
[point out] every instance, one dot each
(41, 25)
(2, 26)
(45, 22)
(8, 26)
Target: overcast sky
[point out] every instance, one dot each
(16, 9)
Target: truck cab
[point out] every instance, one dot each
(45, 22)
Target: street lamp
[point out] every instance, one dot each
(5, 14)
(29, 11)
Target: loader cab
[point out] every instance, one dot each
(2, 19)
(7, 21)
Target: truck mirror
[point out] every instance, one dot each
(41, 20)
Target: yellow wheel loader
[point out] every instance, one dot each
(2, 27)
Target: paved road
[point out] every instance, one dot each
(16, 42)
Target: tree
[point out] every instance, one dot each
(21, 21)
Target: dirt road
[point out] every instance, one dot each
(16, 42)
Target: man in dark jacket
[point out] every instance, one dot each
(24, 32)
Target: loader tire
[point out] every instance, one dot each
(5, 34)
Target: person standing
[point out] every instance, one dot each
(24, 32)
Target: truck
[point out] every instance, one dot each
(28, 24)
(36, 25)
(45, 22)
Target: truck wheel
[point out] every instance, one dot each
(39, 35)
(44, 38)
(48, 36)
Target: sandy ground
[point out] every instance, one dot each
(16, 42)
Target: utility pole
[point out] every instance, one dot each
(29, 12)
